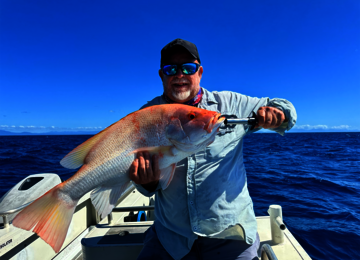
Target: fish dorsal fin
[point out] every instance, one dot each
(76, 157)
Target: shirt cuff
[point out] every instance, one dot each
(289, 111)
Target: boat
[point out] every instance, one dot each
(119, 234)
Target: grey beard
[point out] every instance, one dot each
(181, 95)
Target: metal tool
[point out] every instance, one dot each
(241, 121)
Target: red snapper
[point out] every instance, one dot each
(174, 132)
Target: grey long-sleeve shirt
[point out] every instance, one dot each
(208, 195)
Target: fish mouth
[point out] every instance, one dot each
(214, 123)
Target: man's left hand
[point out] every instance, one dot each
(269, 117)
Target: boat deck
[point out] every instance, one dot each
(110, 238)
(91, 238)
(290, 249)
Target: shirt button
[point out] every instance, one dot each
(191, 202)
(195, 228)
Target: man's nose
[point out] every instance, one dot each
(179, 73)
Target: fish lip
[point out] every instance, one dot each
(214, 122)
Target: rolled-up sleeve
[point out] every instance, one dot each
(247, 106)
(290, 114)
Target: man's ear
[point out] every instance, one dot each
(200, 72)
(161, 74)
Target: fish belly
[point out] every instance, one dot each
(114, 171)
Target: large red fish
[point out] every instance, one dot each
(172, 131)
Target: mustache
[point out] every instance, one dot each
(181, 81)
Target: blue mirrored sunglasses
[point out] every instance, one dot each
(186, 68)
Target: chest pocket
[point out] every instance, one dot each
(225, 140)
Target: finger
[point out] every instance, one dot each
(272, 119)
(268, 119)
(134, 171)
(155, 164)
(279, 118)
(142, 169)
(148, 167)
(275, 120)
(282, 117)
(261, 116)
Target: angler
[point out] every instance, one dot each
(214, 213)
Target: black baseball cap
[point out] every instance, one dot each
(174, 46)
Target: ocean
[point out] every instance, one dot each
(315, 177)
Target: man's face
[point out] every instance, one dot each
(180, 87)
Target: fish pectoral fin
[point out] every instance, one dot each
(104, 198)
(186, 146)
(167, 175)
(161, 150)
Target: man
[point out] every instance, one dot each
(206, 212)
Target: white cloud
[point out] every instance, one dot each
(321, 127)
(45, 129)
(310, 127)
(341, 127)
(89, 128)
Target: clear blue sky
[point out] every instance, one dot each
(86, 64)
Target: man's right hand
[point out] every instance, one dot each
(145, 171)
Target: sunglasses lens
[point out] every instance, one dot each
(170, 69)
(189, 68)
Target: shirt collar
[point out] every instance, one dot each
(208, 97)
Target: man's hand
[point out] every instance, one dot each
(269, 117)
(145, 171)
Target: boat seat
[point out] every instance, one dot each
(125, 240)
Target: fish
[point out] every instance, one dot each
(172, 131)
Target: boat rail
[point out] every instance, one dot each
(4, 214)
(128, 209)
(267, 253)
(134, 208)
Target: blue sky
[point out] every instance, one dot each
(82, 65)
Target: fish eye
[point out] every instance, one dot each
(191, 116)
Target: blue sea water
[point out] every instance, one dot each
(315, 177)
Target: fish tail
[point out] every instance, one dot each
(51, 215)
